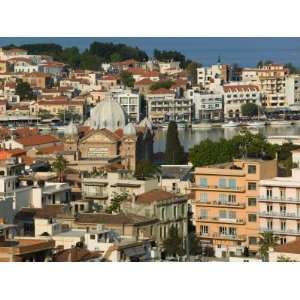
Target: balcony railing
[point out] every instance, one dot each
(94, 195)
(280, 232)
(280, 215)
(280, 200)
(219, 204)
(218, 187)
(219, 236)
(222, 220)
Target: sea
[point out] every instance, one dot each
(245, 51)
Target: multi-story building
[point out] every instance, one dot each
(273, 100)
(163, 105)
(235, 95)
(102, 188)
(131, 103)
(279, 206)
(292, 90)
(207, 106)
(214, 75)
(225, 207)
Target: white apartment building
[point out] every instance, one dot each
(131, 103)
(279, 206)
(292, 90)
(163, 105)
(207, 77)
(102, 188)
(165, 67)
(207, 106)
(235, 95)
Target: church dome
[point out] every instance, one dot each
(108, 114)
(71, 129)
(129, 129)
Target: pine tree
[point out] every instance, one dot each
(174, 154)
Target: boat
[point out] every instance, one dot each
(280, 123)
(201, 125)
(256, 124)
(231, 124)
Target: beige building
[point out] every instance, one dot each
(225, 206)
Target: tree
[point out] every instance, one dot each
(45, 114)
(24, 90)
(191, 69)
(267, 240)
(68, 116)
(90, 61)
(59, 165)
(173, 245)
(116, 202)
(249, 109)
(292, 68)
(262, 63)
(145, 168)
(194, 244)
(161, 85)
(127, 79)
(167, 56)
(72, 57)
(174, 154)
(283, 258)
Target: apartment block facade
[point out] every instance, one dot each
(225, 205)
(279, 206)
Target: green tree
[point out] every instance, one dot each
(60, 165)
(127, 79)
(161, 85)
(45, 114)
(72, 57)
(116, 202)
(267, 240)
(191, 69)
(90, 61)
(292, 68)
(173, 245)
(170, 55)
(174, 154)
(24, 90)
(145, 169)
(249, 109)
(283, 258)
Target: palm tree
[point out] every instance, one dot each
(267, 240)
(59, 165)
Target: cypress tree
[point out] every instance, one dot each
(174, 154)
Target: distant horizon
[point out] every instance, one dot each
(206, 50)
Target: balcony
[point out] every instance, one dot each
(220, 204)
(279, 215)
(281, 232)
(218, 236)
(239, 189)
(280, 200)
(95, 195)
(221, 220)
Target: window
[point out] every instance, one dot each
(282, 194)
(232, 231)
(232, 215)
(251, 201)
(81, 207)
(252, 186)
(252, 240)
(204, 229)
(232, 198)
(203, 197)
(92, 237)
(222, 214)
(298, 226)
(222, 182)
(283, 225)
(270, 225)
(282, 209)
(283, 240)
(251, 169)
(203, 182)
(251, 217)
(232, 183)
(222, 198)
(163, 213)
(222, 230)
(175, 211)
(203, 214)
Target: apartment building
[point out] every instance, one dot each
(292, 90)
(214, 75)
(225, 205)
(207, 106)
(131, 103)
(101, 188)
(163, 105)
(235, 95)
(279, 206)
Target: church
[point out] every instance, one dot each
(107, 138)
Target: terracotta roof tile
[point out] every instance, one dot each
(37, 140)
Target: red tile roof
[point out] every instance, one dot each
(144, 81)
(154, 196)
(161, 91)
(37, 140)
(292, 247)
(76, 255)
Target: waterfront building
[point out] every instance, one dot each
(225, 205)
(279, 206)
(235, 95)
(292, 90)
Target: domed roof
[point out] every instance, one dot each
(108, 114)
(129, 129)
(71, 129)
